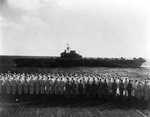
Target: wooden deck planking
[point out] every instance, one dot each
(101, 113)
(94, 112)
(120, 113)
(39, 111)
(76, 112)
(27, 113)
(147, 112)
(22, 112)
(83, 112)
(105, 113)
(67, 112)
(73, 112)
(110, 113)
(134, 113)
(87, 113)
(7, 111)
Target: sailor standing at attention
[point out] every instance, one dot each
(114, 89)
(61, 88)
(94, 90)
(1, 85)
(50, 86)
(73, 86)
(42, 86)
(109, 88)
(37, 86)
(53, 86)
(142, 85)
(77, 82)
(100, 90)
(31, 82)
(56, 83)
(80, 89)
(71, 91)
(149, 89)
(105, 90)
(7, 85)
(129, 89)
(121, 88)
(146, 93)
(14, 86)
(84, 86)
(68, 87)
(88, 90)
(19, 86)
(134, 88)
(47, 86)
(139, 93)
(25, 85)
(125, 87)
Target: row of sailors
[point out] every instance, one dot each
(78, 85)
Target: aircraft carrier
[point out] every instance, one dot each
(69, 58)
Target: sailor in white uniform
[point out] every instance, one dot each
(62, 86)
(14, 86)
(31, 83)
(145, 91)
(19, 86)
(25, 85)
(7, 85)
(37, 86)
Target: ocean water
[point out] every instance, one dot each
(132, 73)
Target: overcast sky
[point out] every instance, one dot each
(95, 28)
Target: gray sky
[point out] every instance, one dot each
(95, 28)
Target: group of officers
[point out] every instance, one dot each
(88, 86)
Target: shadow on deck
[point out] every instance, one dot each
(27, 106)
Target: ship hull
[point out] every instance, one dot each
(64, 62)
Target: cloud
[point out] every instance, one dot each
(1, 33)
(14, 9)
(33, 21)
(41, 26)
(25, 4)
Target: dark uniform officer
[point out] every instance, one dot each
(94, 89)
(80, 89)
(129, 89)
(105, 89)
(68, 88)
(121, 88)
(1, 85)
(73, 87)
(37, 86)
(88, 89)
(114, 88)
(100, 89)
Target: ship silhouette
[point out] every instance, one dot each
(69, 58)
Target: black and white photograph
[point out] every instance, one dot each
(74, 58)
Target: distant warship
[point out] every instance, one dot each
(69, 58)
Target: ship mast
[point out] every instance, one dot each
(68, 48)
